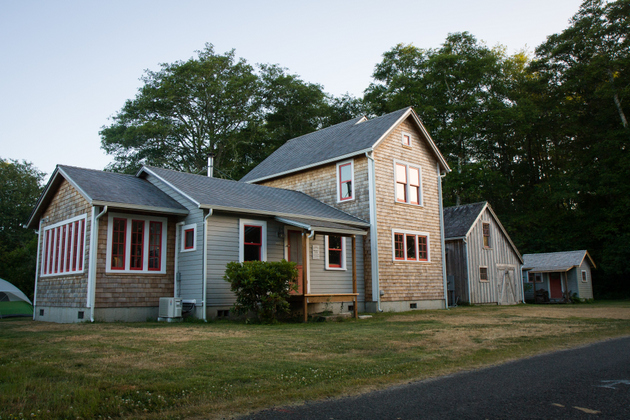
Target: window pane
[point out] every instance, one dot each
(401, 173)
(189, 241)
(346, 190)
(345, 172)
(483, 273)
(334, 242)
(118, 243)
(251, 253)
(414, 176)
(253, 235)
(155, 246)
(400, 193)
(422, 248)
(334, 251)
(399, 250)
(413, 195)
(334, 258)
(137, 239)
(411, 247)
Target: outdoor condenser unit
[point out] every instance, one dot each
(170, 307)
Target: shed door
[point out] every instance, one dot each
(507, 285)
(555, 286)
(295, 255)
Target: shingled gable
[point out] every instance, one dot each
(101, 188)
(344, 140)
(240, 197)
(459, 220)
(555, 261)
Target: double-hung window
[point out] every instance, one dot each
(335, 252)
(252, 240)
(136, 244)
(408, 183)
(63, 247)
(410, 246)
(345, 181)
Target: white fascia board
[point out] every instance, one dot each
(472, 225)
(140, 207)
(287, 215)
(145, 169)
(313, 165)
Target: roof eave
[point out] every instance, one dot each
(140, 207)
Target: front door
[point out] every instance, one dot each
(555, 286)
(295, 255)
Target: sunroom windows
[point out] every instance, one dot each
(408, 183)
(136, 244)
(410, 246)
(64, 247)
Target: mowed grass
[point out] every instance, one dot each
(223, 369)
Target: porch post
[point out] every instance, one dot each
(354, 276)
(304, 276)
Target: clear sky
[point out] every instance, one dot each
(67, 66)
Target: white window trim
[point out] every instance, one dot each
(145, 250)
(339, 164)
(241, 238)
(343, 255)
(183, 236)
(402, 139)
(487, 280)
(584, 276)
(62, 261)
(411, 232)
(420, 189)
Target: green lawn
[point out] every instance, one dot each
(188, 370)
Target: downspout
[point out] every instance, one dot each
(204, 287)
(177, 239)
(37, 266)
(376, 286)
(523, 283)
(442, 242)
(92, 272)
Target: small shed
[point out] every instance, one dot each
(483, 265)
(557, 276)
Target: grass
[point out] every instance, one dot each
(225, 368)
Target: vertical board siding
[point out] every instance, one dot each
(456, 267)
(585, 289)
(404, 281)
(500, 253)
(190, 264)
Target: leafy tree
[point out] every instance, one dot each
(19, 190)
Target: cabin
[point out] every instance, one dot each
(388, 172)
(483, 265)
(111, 245)
(558, 276)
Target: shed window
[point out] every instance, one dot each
(486, 235)
(584, 277)
(408, 183)
(483, 273)
(63, 247)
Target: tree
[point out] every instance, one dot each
(185, 111)
(19, 190)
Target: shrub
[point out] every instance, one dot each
(262, 287)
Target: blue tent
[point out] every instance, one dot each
(13, 302)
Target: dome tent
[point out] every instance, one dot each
(13, 302)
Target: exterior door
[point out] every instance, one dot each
(295, 255)
(555, 286)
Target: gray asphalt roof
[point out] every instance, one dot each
(221, 194)
(338, 140)
(554, 261)
(322, 227)
(459, 219)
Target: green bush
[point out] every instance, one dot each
(262, 287)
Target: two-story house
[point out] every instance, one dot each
(387, 171)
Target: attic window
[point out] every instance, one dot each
(584, 277)
(486, 235)
(406, 139)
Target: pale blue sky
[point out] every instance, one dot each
(67, 66)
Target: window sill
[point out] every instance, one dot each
(408, 204)
(336, 269)
(188, 250)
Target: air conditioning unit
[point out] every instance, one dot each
(170, 307)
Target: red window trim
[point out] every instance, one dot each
(157, 244)
(57, 235)
(45, 256)
(81, 247)
(61, 250)
(114, 243)
(192, 246)
(400, 236)
(339, 250)
(134, 244)
(75, 243)
(423, 248)
(342, 182)
(258, 244)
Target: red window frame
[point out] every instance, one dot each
(486, 234)
(192, 238)
(155, 246)
(62, 259)
(81, 247)
(399, 246)
(423, 252)
(401, 183)
(117, 233)
(75, 245)
(256, 244)
(57, 240)
(335, 250)
(343, 182)
(47, 248)
(414, 247)
(136, 254)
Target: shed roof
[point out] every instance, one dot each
(555, 261)
(459, 221)
(101, 188)
(340, 141)
(234, 196)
